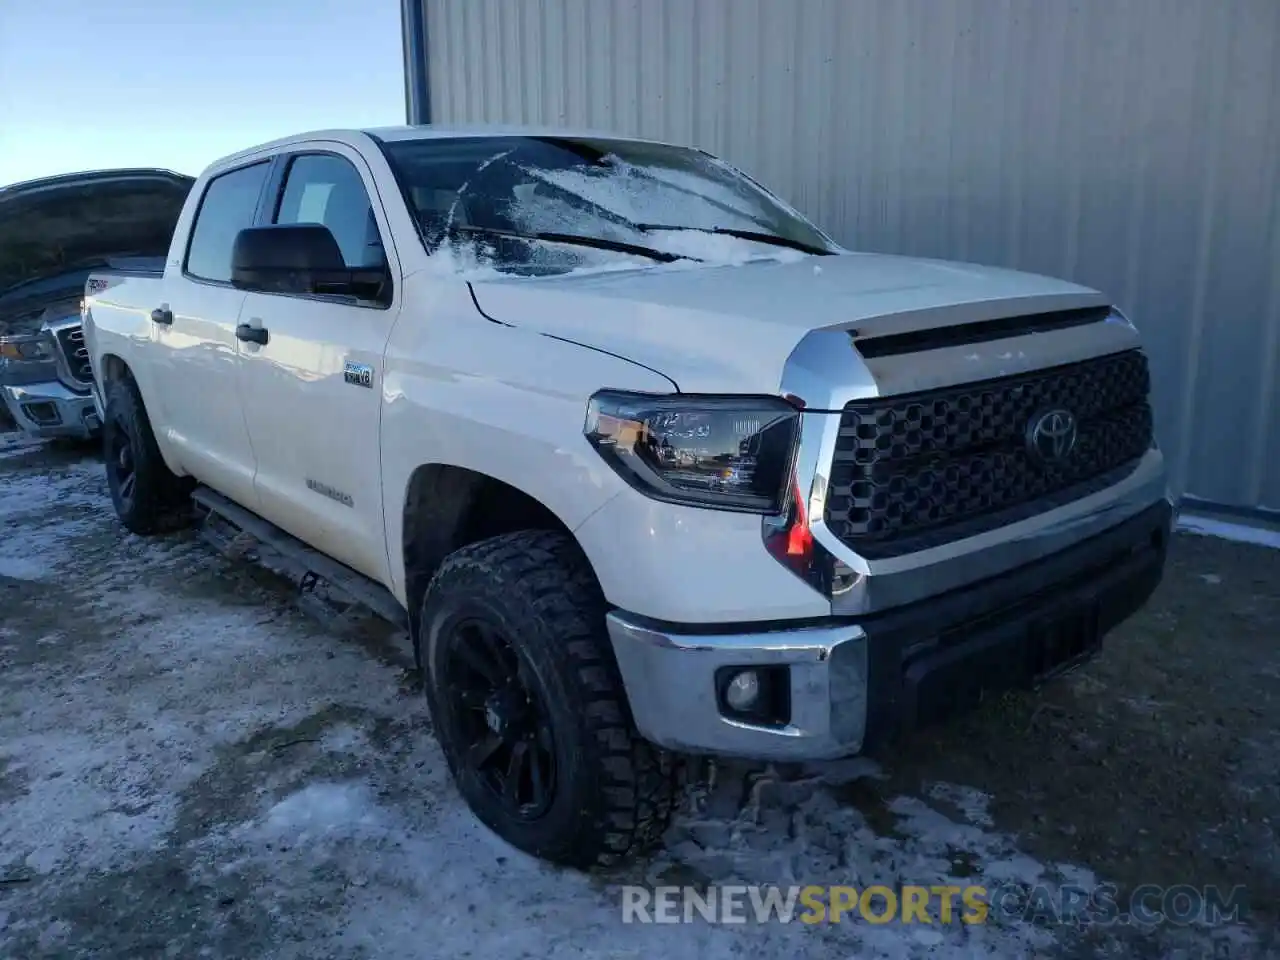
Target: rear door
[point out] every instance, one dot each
(313, 392)
(198, 360)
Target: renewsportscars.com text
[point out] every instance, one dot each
(945, 904)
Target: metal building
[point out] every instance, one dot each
(1132, 145)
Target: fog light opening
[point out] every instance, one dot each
(42, 413)
(759, 694)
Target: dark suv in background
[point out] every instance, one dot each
(53, 232)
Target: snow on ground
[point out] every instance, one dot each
(37, 531)
(14, 444)
(1236, 532)
(191, 767)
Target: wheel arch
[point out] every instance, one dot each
(113, 367)
(447, 507)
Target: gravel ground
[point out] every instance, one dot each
(191, 766)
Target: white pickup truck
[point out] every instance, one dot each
(648, 464)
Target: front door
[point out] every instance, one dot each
(313, 391)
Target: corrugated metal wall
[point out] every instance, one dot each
(1133, 145)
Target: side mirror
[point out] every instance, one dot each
(298, 258)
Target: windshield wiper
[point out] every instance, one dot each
(598, 243)
(772, 238)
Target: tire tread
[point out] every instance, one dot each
(639, 781)
(160, 502)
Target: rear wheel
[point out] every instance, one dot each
(147, 496)
(529, 707)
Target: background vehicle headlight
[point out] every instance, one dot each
(25, 348)
(727, 453)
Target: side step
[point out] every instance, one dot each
(312, 564)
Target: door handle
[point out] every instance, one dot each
(251, 334)
(162, 315)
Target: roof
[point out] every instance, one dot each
(357, 137)
(434, 131)
(88, 177)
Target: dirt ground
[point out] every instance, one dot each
(191, 766)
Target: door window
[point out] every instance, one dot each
(327, 189)
(228, 206)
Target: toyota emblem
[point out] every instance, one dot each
(1052, 435)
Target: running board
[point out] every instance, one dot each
(314, 565)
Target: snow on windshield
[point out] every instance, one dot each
(608, 201)
(472, 258)
(655, 195)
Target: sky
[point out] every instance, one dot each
(93, 84)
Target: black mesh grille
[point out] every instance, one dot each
(912, 472)
(71, 343)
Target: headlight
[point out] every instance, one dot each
(20, 348)
(727, 453)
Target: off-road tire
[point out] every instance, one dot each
(156, 501)
(614, 791)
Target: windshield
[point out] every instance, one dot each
(545, 205)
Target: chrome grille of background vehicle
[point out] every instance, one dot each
(75, 353)
(917, 471)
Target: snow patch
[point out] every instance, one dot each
(132, 716)
(670, 211)
(468, 261)
(323, 808)
(971, 803)
(44, 514)
(78, 484)
(15, 444)
(1238, 532)
(721, 249)
(638, 195)
(105, 812)
(21, 568)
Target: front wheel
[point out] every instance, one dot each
(529, 707)
(147, 496)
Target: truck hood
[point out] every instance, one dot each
(730, 329)
(66, 224)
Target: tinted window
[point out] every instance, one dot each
(227, 208)
(324, 189)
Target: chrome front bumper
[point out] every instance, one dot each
(853, 685)
(671, 684)
(52, 410)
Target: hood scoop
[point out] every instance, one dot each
(982, 331)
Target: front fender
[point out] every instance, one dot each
(461, 390)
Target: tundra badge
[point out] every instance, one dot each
(331, 492)
(358, 374)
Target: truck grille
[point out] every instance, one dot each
(75, 353)
(916, 471)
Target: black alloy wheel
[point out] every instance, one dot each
(121, 468)
(500, 714)
(529, 707)
(148, 498)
